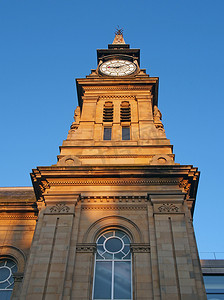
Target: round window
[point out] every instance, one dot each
(7, 268)
(114, 244)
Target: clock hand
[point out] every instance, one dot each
(116, 67)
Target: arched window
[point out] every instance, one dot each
(7, 268)
(112, 273)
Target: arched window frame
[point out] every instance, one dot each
(8, 267)
(115, 260)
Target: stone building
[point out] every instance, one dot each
(113, 218)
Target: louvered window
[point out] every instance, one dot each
(125, 112)
(108, 112)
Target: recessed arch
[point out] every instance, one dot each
(14, 253)
(113, 222)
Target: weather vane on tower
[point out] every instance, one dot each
(119, 36)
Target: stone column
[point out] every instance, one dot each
(142, 277)
(176, 262)
(48, 261)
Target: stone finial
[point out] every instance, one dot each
(119, 36)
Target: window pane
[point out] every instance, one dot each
(107, 133)
(215, 297)
(114, 244)
(122, 280)
(7, 268)
(5, 295)
(103, 280)
(214, 284)
(125, 133)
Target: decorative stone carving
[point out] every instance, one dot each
(163, 159)
(157, 119)
(160, 127)
(44, 185)
(60, 208)
(77, 116)
(18, 277)
(168, 207)
(86, 248)
(140, 248)
(69, 160)
(157, 115)
(185, 185)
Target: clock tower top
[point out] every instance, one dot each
(118, 121)
(118, 48)
(119, 39)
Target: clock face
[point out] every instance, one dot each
(117, 67)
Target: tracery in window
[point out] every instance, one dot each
(7, 268)
(108, 111)
(125, 111)
(112, 274)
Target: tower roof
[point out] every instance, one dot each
(119, 39)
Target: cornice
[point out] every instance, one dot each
(113, 182)
(118, 88)
(117, 97)
(11, 216)
(113, 206)
(183, 178)
(114, 156)
(116, 170)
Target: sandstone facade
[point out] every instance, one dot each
(130, 184)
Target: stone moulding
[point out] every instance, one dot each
(117, 97)
(113, 156)
(113, 207)
(89, 248)
(109, 199)
(117, 88)
(17, 217)
(114, 182)
(140, 248)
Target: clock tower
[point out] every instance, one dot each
(115, 212)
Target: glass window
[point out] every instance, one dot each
(112, 275)
(107, 133)
(7, 268)
(214, 285)
(125, 133)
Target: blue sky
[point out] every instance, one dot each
(45, 45)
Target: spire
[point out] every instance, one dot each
(119, 36)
